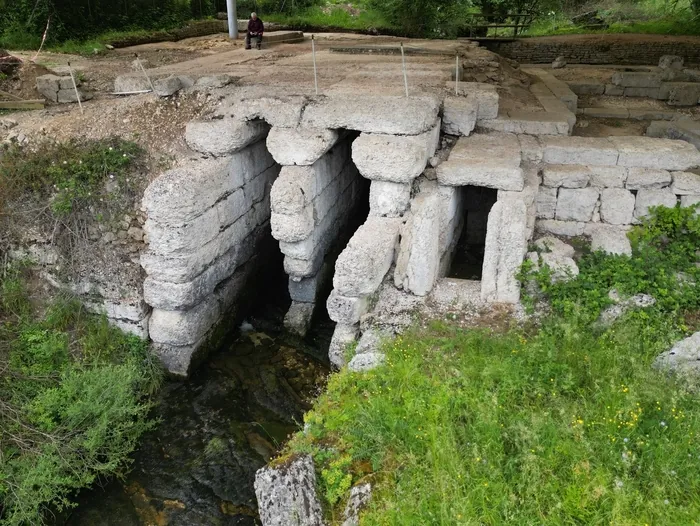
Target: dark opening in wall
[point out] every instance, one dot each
(468, 257)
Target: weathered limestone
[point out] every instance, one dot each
(671, 62)
(60, 89)
(506, 245)
(576, 205)
(561, 228)
(483, 95)
(546, 203)
(459, 115)
(682, 359)
(397, 159)
(346, 310)
(617, 206)
(491, 160)
(182, 328)
(360, 496)
(287, 495)
(647, 179)
(661, 154)
(685, 183)
(388, 199)
(168, 86)
(343, 336)
(634, 79)
(567, 176)
(420, 246)
(366, 362)
(609, 239)
(608, 176)
(361, 267)
(555, 246)
(221, 137)
(691, 200)
(579, 150)
(392, 115)
(648, 198)
(300, 146)
(279, 112)
(299, 316)
(680, 93)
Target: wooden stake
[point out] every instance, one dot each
(313, 52)
(403, 64)
(75, 87)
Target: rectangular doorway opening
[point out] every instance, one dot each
(468, 257)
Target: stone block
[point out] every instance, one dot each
(614, 91)
(68, 95)
(576, 205)
(636, 79)
(591, 151)
(130, 83)
(287, 495)
(530, 148)
(223, 136)
(181, 328)
(685, 183)
(607, 113)
(652, 93)
(361, 267)
(649, 198)
(661, 154)
(280, 111)
(671, 62)
(170, 201)
(587, 88)
(168, 86)
(423, 252)
(300, 146)
(392, 115)
(491, 160)
(680, 93)
(546, 203)
(48, 86)
(346, 310)
(647, 179)
(459, 115)
(388, 199)
(298, 317)
(297, 187)
(617, 206)
(531, 123)
(293, 227)
(215, 81)
(343, 336)
(563, 268)
(609, 239)
(608, 176)
(560, 228)
(566, 175)
(506, 245)
(392, 158)
(690, 200)
(553, 245)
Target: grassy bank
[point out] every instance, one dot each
(564, 422)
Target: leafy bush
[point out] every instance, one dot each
(73, 402)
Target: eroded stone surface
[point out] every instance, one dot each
(649, 198)
(300, 146)
(287, 495)
(221, 137)
(683, 358)
(617, 206)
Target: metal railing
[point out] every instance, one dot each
(487, 26)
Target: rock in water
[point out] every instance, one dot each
(559, 62)
(286, 494)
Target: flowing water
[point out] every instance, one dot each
(218, 428)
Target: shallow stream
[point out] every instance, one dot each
(197, 467)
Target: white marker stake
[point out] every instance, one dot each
(457, 77)
(75, 87)
(403, 64)
(313, 52)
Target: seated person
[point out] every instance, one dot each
(255, 30)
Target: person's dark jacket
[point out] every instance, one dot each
(255, 27)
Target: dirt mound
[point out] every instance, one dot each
(21, 82)
(8, 63)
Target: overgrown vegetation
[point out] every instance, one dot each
(73, 400)
(561, 423)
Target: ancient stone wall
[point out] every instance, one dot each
(529, 51)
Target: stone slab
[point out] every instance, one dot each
(459, 115)
(647, 179)
(221, 137)
(662, 154)
(617, 206)
(685, 183)
(491, 160)
(566, 175)
(300, 146)
(576, 205)
(388, 199)
(392, 115)
(591, 151)
(649, 198)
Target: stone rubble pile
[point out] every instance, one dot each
(61, 89)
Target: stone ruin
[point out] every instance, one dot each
(297, 166)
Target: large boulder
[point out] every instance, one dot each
(683, 358)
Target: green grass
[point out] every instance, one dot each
(562, 423)
(73, 400)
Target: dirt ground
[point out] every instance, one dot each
(158, 124)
